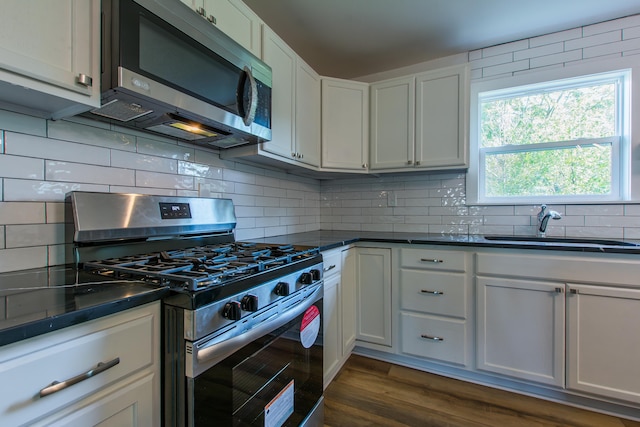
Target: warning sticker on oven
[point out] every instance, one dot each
(278, 410)
(310, 326)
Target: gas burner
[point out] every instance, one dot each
(204, 266)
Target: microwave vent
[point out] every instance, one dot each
(121, 110)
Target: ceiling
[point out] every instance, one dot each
(352, 38)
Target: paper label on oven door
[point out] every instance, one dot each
(280, 408)
(310, 326)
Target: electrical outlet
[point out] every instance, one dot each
(392, 199)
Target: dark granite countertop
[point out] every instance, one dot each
(331, 239)
(34, 302)
(37, 301)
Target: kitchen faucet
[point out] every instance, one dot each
(543, 219)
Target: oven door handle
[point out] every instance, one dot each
(218, 348)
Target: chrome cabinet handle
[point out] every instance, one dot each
(431, 337)
(418, 163)
(56, 386)
(331, 267)
(84, 80)
(212, 19)
(201, 11)
(559, 290)
(425, 291)
(409, 162)
(435, 261)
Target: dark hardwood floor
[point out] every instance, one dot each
(368, 392)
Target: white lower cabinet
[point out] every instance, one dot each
(126, 393)
(339, 310)
(373, 302)
(603, 343)
(434, 305)
(520, 329)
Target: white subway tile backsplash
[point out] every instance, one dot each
(18, 236)
(15, 122)
(536, 52)
(93, 135)
(21, 167)
(163, 180)
(2, 246)
(595, 40)
(199, 170)
(135, 161)
(90, 174)
(22, 213)
(559, 58)
(23, 258)
(45, 191)
(574, 33)
(505, 69)
(168, 150)
(52, 149)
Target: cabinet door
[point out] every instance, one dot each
(345, 124)
(332, 351)
(282, 60)
(348, 300)
(307, 129)
(603, 344)
(373, 267)
(521, 329)
(392, 123)
(52, 49)
(128, 405)
(441, 118)
(237, 21)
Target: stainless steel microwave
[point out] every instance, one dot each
(167, 70)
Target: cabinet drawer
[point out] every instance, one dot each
(332, 261)
(433, 292)
(435, 338)
(32, 365)
(433, 259)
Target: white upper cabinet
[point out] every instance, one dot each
(232, 17)
(420, 121)
(282, 60)
(392, 123)
(345, 125)
(50, 56)
(295, 110)
(307, 115)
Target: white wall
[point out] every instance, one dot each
(40, 161)
(436, 202)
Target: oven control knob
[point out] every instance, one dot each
(306, 278)
(315, 275)
(232, 310)
(249, 303)
(282, 289)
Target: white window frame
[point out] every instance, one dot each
(625, 170)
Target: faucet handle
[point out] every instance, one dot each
(543, 209)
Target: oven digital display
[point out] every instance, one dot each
(175, 210)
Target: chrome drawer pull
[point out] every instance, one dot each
(331, 267)
(432, 338)
(425, 291)
(57, 386)
(435, 261)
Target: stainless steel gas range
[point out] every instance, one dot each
(243, 322)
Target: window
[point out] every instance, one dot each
(559, 141)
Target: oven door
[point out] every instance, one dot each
(274, 380)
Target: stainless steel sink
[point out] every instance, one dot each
(567, 240)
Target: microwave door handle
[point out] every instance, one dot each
(250, 114)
